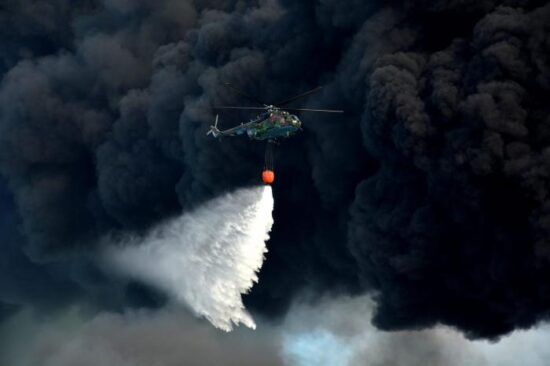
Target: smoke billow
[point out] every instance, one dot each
(207, 258)
(431, 192)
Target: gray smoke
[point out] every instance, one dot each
(326, 332)
(167, 337)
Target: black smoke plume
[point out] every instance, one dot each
(431, 192)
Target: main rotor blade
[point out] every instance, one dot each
(231, 107)
(240, 92)
(286, 101)
(314, 110)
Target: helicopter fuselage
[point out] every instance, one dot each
(273, 124)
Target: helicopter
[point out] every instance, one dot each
(274, 123)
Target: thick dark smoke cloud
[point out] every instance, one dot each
(431, 192)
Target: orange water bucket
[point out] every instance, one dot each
(268, 176)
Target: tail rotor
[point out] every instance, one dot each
(214, 129)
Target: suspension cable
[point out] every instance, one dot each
(269, 159)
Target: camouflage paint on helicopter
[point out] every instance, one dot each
(271, 126)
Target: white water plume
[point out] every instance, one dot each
(207, 258)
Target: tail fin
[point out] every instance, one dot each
(214, 129)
